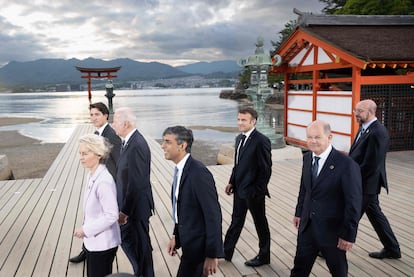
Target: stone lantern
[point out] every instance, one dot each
(259, 65)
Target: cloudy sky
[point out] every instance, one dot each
(175, 32)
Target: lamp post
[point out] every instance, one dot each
(109, 87)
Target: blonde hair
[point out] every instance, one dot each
(98, 145)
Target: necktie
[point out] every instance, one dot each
(174, 197)
(240, 147)
(123, 146)
(315, 166)
(96, 133)
(361, 131)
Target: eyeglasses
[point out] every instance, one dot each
(359, 111)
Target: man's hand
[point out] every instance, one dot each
(229, 189)
(171, 247)
(344, 245)
(122, 218)
(296, 221)
(210, 266)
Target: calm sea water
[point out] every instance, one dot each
(155, 109)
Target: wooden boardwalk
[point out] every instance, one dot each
(38, 217)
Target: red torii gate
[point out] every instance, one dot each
(97, 73)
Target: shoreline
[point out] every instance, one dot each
(21, 149)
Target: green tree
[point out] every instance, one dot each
(285, 33)
(369, 7)
(332, 5)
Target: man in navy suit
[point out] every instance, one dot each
(329, 204)
(134, 193)
(196, 210)
(248, 183)
(99, 114)
(369, 151)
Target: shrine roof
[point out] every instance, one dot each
(369, 38)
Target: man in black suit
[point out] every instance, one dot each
(99, 114)
(329, 204)
(369, 151)
(248, 184)
(196, 210)
(134, 193)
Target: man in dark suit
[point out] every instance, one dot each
(196, 210)
(99, 114)
(134, 193)
(329, 204)
(369, 151)
(248, 184)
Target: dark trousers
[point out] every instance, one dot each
(99, 263)
(136, 244)
(256, 206)
(307, 250)
(189, 268)
(370, 205)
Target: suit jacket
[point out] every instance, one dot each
(113, 158)
(198, 230)
(133, 179)
(370, 152)
(332, 201)
(251, 174)
(100, 212)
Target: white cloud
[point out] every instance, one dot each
(169, 31)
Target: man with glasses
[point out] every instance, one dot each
(369, 151)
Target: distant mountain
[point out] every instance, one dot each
(60, 71)
(53, 71)
(227, 66)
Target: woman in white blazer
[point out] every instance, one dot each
(100, 229)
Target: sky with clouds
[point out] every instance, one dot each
(174, 32)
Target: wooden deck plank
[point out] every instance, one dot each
(41, 217)
(37, 223)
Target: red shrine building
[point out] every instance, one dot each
(331, 62)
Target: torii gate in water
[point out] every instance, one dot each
(97, 73)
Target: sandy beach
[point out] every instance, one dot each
(28, 157)
(21, 150)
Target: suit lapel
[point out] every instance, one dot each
(131, 138)
(328, 165)
(246, 143)
(184, 176)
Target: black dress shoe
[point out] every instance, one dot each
(78, 259)
(257, 261)
(385, 254)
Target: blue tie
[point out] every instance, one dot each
(174, 199)
(315, 166)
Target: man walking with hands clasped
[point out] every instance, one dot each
(369, 151)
